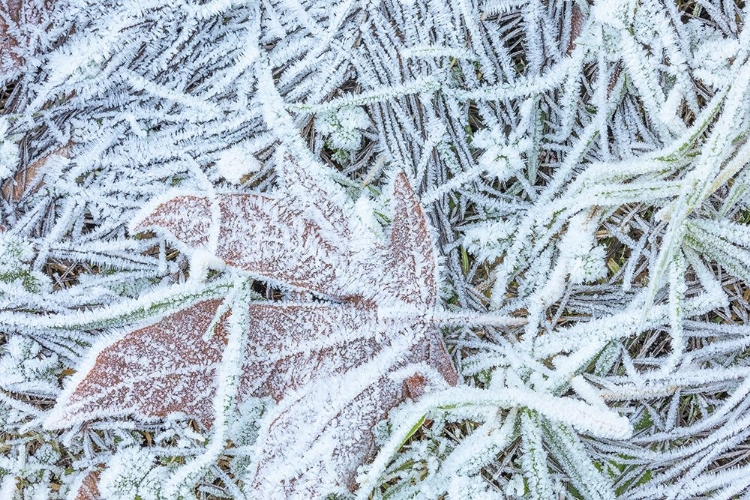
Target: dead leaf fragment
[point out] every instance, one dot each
(577, 21)
(19, 12)
(30, 178)
(89, 489)
(325, 430)
(413, 261)
(185, 218)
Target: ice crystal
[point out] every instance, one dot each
(25, 368)
(132, 473)
(344, 127)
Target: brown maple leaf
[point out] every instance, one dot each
(335, 368)
(151, 372)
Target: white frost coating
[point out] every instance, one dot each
(55, 418)
(578, 248)
(489, 240)
(201, 261)
(515, 487)
(514, 121)
(236, 163)
(344, 127)
(599, 421)
(365, 210)
(17, 275)
(8, 486)
(141, 217)
(24, 367)
(587, 392)
(8, 151)
(534, 458)
(132, 473)
(60, 416)
(228, 376)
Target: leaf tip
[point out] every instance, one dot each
(184, 217)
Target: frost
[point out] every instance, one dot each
(614, 13)
(9, 157)
(502, 156)
(260, 241)
(515, 487)
(489, 240)
(472, 489)
(16, 273)
(713, 53)
(366, 209)
(298, 354)
(24, 367)
(132, 473)
(236, 163)
(46, 454)
(584, 258)
(14, 251)
(344, 127)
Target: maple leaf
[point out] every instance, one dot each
(334, 368)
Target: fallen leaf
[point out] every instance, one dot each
(335, 368)
(291, 244)
(169, 367)
(8, 58)
(151, 372)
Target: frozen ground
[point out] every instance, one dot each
(380, 249)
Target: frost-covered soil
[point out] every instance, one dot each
(379, 249)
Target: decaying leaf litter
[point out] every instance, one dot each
(580, 170)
